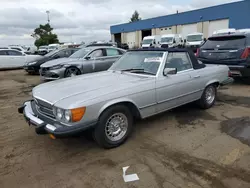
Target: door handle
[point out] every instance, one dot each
(197, 76)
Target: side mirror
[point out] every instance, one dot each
(181, 40)
(154, 42)
(87, 58)
(205, 39)
(174, 41)
(168, 71)
(185, 40)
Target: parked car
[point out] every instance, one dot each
(34, 66)
(53, 47)
(224, 31)
(42, 50)
(151, 41)
(19, 48)
(171, 40)
(232, 50)
(194, 41)
(140, 84)
(85, 60)
(99, 44)
(123, 45)
(10, 58)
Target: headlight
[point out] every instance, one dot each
(71, 115)
(59, 113)
(32, 63)
(67, 115)
(56, 67)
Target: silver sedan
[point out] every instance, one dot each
(85, 60)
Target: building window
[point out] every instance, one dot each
(170, 28)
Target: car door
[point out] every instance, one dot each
(175, 90)
(16, 58)
(93, 61)
(112, 55)
(4, 58)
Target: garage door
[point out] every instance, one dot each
(188, 29)
(216, 25)
(130, 39)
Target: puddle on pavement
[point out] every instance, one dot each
(238, 128)
(234, 100)
(188, 114)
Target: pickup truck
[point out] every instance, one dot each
(140, 84)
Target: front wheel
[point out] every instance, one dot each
(72, 71)
(114, 126)
(208, 97)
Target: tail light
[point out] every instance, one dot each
(246, 53)
(197, 52)
(229, 73)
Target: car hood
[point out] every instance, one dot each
(58, 62)
(66, 93)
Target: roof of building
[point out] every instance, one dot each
(225, 11)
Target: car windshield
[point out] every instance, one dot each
(81, 53)
(51, 53)
(148, 61)
(43, 47)
(167, 39)
(225, 42)
(193, 38)
(52, 47)
(147, 41)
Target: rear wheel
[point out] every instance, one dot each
(208, 97)
(72, 71)
(115, 125)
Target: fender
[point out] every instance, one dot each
(116, 101)
(212, 81)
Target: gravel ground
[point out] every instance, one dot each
(185, 147)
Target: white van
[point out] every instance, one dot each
(151, 41)
(171, 40)
(194, 39)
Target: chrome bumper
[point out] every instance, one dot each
(56, 129)
(31, 118)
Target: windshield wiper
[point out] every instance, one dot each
(137, 70)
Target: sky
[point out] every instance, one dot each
(82, 20)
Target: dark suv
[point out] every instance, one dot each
(228, 49)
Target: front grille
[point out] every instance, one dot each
(44, 108)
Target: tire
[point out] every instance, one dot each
(72, 71)
(101, 134)
(208, 97)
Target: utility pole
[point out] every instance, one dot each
(48, 16)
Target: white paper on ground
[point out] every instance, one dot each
(131, 177)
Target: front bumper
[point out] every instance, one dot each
(56, 129)
(30, 69)
(52, 74)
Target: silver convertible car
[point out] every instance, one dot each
(140, 84)
(85, 60)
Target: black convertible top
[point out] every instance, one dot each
(196, 64)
